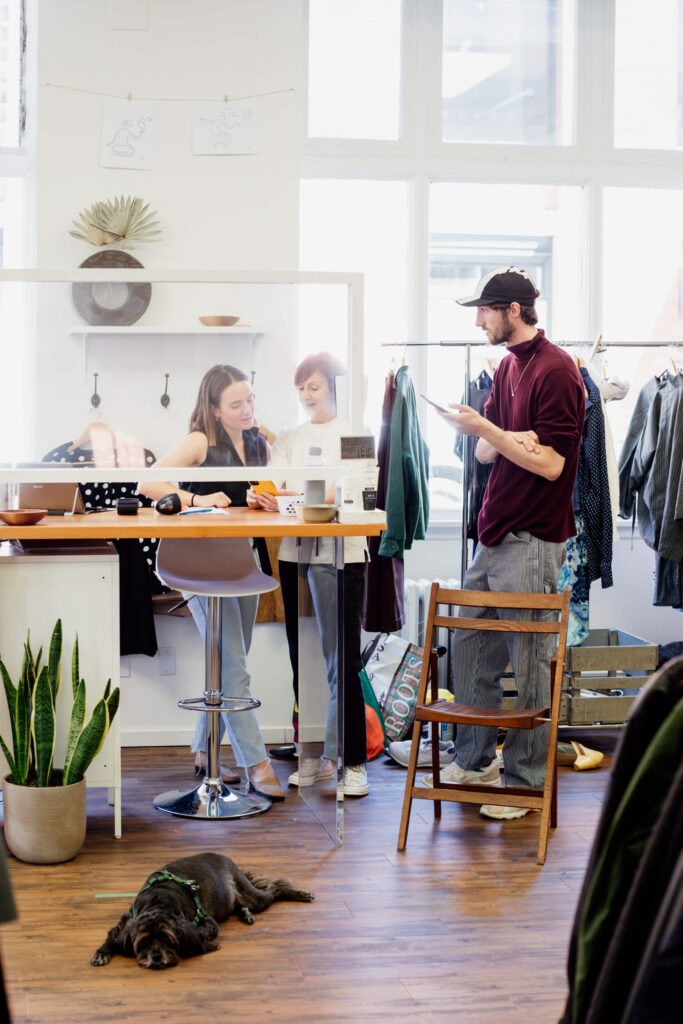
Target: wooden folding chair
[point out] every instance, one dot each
(436, 711)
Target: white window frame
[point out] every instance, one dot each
(420, 158)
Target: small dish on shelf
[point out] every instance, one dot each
(316, 513)
(218, 321)
(22, 516)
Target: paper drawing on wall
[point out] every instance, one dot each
(128, 133)
(223, 129)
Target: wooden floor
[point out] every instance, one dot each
(462, 927)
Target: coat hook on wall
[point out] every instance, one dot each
(95, 398)
(165, 400)
(253, 374)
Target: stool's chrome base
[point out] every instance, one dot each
(213, 799)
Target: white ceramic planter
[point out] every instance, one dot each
(44, 825)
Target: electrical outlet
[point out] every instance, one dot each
(166, 658)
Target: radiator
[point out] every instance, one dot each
(416, 603)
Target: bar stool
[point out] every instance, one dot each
(213, 567)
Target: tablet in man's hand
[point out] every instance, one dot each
(441, 408)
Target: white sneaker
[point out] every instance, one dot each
(502, 813)
(400, 751)
(313, 770)
(356, 781)
(488, 776)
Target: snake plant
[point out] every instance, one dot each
(31, 705)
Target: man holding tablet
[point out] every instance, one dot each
(530, 430)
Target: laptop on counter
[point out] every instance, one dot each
(60, 499)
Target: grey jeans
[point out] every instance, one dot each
(528, 565)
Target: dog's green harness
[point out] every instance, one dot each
(188, 883)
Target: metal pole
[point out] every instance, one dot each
(465, 474)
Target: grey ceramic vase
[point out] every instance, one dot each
(44, 825)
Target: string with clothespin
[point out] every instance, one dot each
(164, 99)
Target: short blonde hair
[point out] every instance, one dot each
(325, 363)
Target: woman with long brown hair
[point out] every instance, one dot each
(223, 433)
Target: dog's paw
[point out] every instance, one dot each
(246, 915)
(100, 958)
(307, 897)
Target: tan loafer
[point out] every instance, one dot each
(228, 775)
(265, 782)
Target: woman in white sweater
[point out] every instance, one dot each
(314, 380)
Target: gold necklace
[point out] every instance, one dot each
(513, 391)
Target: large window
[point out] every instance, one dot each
(361, 225)
(13, 205)
(12, 72)
(642, 288)
(648, 78)
(512, 143)
(354, 69)
(508, 71)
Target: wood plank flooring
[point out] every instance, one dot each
(463, 926)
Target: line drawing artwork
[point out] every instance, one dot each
(219, 129)
(128, 133)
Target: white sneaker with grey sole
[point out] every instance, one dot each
(356, 781)
(488, 776)
(311, 770)
(400, 751)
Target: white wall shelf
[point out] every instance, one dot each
(132, 329)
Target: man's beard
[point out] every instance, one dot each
(503, 331)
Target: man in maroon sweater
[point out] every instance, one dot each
(530, 431)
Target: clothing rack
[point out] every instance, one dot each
(597, 346)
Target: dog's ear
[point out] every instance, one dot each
(126, 931)
(193, 940)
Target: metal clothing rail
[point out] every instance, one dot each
(600, 345)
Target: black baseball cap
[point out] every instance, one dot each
(504, 284)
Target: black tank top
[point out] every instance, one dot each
(223, 453)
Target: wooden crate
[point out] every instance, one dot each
(608, 660)
(603, 675)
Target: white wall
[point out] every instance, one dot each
(238, 212)
(232, 212)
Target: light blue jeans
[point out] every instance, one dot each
(239, 615)
(322, 580)
(528, 565)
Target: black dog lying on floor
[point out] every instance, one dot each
(176, 913)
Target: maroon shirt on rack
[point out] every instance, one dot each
(550, 399)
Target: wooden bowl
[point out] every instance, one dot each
(218, 321)
(316, 513)
(22, 516)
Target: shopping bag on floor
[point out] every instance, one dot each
(393, 666)
(375, 738)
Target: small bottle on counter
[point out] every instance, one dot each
(314, 490)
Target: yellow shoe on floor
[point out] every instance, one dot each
(500, 813)
(587, 758)
(582, 758)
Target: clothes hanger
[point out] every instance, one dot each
(597, 347)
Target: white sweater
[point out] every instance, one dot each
(290, 448)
